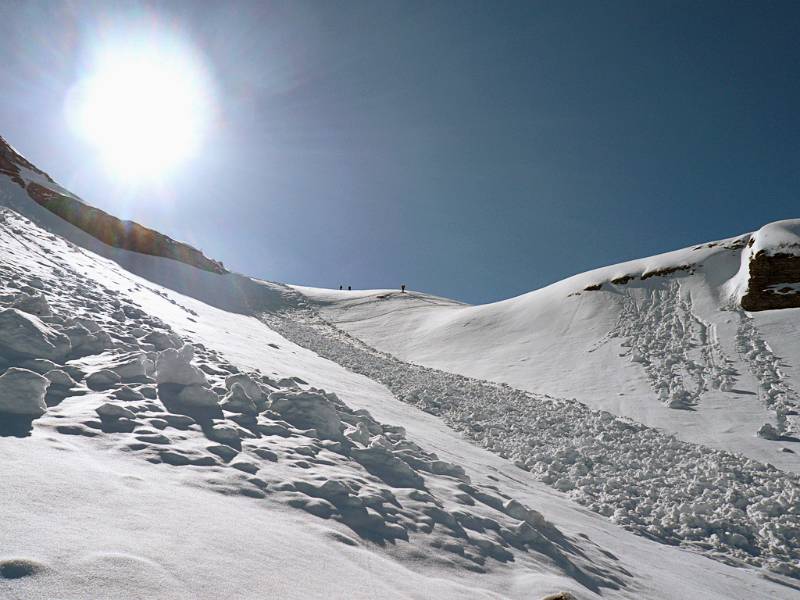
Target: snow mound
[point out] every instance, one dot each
(780, 237)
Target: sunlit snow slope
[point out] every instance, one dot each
(663, 340)
(168, 431)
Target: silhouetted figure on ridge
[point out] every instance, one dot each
(403, 288)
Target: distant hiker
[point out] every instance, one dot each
(340, 287)
(349, 288)
(403, 288)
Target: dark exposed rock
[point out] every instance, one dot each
(127, 235)
(767, 273)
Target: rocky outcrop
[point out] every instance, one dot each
(773, 265)
(11, 161)
(127, 235)
(774, 282)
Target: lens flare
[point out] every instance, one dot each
(145, 104)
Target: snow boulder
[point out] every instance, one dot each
(38, 365)
(35, 304)
(25, 336)
(85, 342)
(308, 410)
(197, 396)
(162, 341)
(22, 393)
(382, 463)
(102, 380)
(239, 401)
(768, 432)
(130, 366)
(113, 411)
(175, 366)
(60, 379)
(250, 387)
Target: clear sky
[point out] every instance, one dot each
(476, 150)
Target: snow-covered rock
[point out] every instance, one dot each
(22, 392)
(24, 335)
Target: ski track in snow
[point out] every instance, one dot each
(723, 505)
(678, 351)
(773, 389)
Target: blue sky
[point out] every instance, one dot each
(476, 150)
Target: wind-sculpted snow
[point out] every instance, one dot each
(131, 384)
(724, 505)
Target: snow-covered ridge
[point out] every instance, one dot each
(662, 340)
(110, 230)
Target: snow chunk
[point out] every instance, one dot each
(26, 336)
(308, 410)
(768, 432)
(239, 401)
(60, 378)
(250, 387)
(102, 380)
(198, 396)
(174, 366)
(113, 411)
(130, 366)
(382, 463)
(22, 392)
(35, 304)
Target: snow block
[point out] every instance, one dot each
(22, 393)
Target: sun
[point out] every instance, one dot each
(145, 105)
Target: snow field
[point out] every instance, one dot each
(127, 382)
(724, 505)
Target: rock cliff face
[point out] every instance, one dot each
(774, 282)
(774, 267)
(110, 230)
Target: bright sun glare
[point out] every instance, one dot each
(144, 104)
